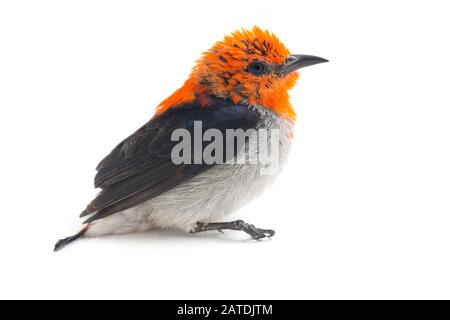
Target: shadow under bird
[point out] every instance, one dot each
(241, 83)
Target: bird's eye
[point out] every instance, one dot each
(291, 59)
(257, 68)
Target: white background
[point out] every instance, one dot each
(361, 211)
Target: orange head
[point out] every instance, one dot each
(248, 67)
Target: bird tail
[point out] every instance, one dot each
(63, 242)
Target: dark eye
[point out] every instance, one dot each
(257, 68)
(291, 59)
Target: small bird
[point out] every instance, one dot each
(240, 84)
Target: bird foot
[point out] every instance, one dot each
(238, 225)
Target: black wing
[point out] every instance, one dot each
(140, 167)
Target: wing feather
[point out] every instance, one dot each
(140, 167)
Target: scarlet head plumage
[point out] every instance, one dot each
(247, 67)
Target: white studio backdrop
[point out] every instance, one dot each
(362, 209)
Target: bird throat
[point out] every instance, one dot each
(274, 98)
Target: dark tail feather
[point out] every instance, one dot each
(89, 209)
(61, 243)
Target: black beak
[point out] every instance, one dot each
(297, 61)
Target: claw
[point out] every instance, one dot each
(258, 234)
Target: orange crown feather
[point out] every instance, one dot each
(221, 72)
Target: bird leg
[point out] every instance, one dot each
(237, 225)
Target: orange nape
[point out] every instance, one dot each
(222, 72)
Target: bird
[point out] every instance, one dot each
(240, 83)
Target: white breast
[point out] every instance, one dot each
(207, 197)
